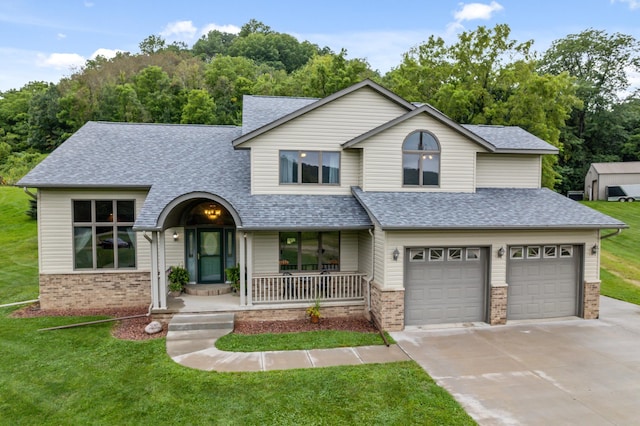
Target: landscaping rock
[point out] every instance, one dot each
(153, 327)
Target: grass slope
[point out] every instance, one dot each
(85, 376)
(18, 248)
(620, 255)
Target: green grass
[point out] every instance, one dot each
(85, 376)
(18, 248)
(620, 255)
(292, 341)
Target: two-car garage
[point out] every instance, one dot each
(451, 284)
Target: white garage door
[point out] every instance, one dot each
(543, 281)
(445, 285)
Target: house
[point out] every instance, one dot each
(602, 175)
(372, 204)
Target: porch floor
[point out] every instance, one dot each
(188, 303)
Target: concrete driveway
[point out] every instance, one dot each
(560, 372)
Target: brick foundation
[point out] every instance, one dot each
(498, 308)
(299, 313)
(387, 307)
(591, 300)
(95, 290)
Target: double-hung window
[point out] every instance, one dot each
(319, 167)
(103, 236)
(421, 160)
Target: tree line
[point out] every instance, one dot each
(574, 95)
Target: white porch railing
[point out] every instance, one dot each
(334, 286)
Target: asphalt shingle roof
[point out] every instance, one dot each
(260, 110)
(510, 138)
(174, 160)
(509, 208)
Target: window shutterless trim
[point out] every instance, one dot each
(299, 167)
(94, 224)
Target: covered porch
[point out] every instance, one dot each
(278, 269)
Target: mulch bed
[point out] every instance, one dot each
(133, 329)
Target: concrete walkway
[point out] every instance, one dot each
(196, 349)
(560, 372)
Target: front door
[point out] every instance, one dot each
(210, 265)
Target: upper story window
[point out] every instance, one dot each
(421, 159)
(103, 236)
(319, 167)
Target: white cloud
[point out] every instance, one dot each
(179, 30)
(61, 36)
(88, 4)
(60, 61)
(633, 4)
(107, 53)
(473, 11)
(222, 28)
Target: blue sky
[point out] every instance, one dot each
(45, 39)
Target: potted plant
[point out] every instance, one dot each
(313, 312)
(178, 278)
(233, 276)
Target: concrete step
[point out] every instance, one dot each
(193, 322)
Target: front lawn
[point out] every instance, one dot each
(85, 376)
(292, 341)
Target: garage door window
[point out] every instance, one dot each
(550, 252)
(436, 254)
(416, 255)
(516, 252)
(566, 251)
(533, 252)
(455, 254)
(473, 254)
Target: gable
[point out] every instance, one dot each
(382, 157)
(355, 107)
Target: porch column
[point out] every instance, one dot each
(249, 268)
(155, 294)
(162, 268)
(242, 262)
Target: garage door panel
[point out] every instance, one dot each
(543, 287)
(454, 290)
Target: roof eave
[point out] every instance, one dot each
(496, 227)
(307, 228)
(527, 151)
(21, 184)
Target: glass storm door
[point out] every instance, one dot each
(210, 268)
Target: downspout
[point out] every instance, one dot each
(29, 193)
(613, 234)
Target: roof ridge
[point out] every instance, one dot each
(131, 123)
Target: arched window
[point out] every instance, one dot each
(421, 159)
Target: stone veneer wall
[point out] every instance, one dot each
(95, 290)
(591, 300)
(387, 307)
(498, 305)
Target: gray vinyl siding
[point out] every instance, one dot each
(508, 171)
(323, 129)
(265, 253)
(55, 228)
(382, 165)
(174, 250)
